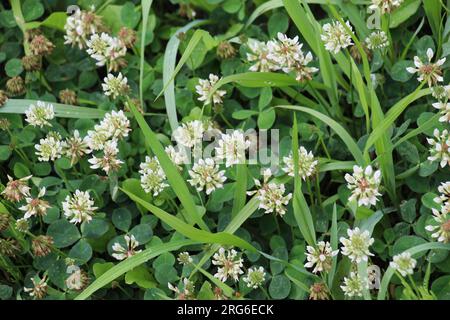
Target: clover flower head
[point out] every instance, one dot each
(320, 257)
(336, 37)
(229, 264)
(35, 206)
(354, 285)
(440, 147)
(39, 114)
(255, 277)
(306, 163)
(364, 184)
(153, 178)
(204, 90)
(189, 134)
(356, 246)
(403, 263)
(121, 253)
(79, 207)
(205, 174)
(231, 148)
(115, 86)
(377, 40)
(428, 71)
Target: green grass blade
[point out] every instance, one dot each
(301, 210)
(394, 112)
(61, 110)
(170, 56)
(196, 38)
(174, 178)
(146, 5)
(192, 233)
(227, 290)
(130, 263)
(263, 8)
(240, 191)
(417, 249)
(433, 11)
(334, 245)
(336, 127)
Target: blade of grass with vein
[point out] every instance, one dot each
(240, 191)
(130, 263)
(417, 249)
(196, 38)
(337, 128)
(335, 165)
(429, 124)
(257, 80)
(394, 112)
(61, 110)
(263, 8)
(170, 56)
(173, 176)
(334, 246)
(301, 210)
(146, 5)
(192, 233)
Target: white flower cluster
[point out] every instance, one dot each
(356, 247)
(115, 86)
(80, 26)
(49, 148)
(40, 114)
(282, 53)
(106, 50)
(35, 206)
(231, 148)
(403, 263)
(205, 174)
(153, 178)
(205, 90)
(79, 207)
(385, 6)
(364, 184)
(306, 164)
(441, 229)
(377, 40)
(229, 264)
(336, 37)
(271, 195)
(440, 147)
(428, 71)
(121, 253)
(320, 257)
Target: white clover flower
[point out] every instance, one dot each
(230, 264)
(97, 47)
(184, 258)
(440, 231)
(441, 92)
(39, 289)
(114, 53)
(49, 148)
(75, 147)
(301, 69)
(377, 40)
(385, 6)
(430, 72)
(271, 195)
(187, 291)
(374, 277)
(177, 155)
(364, 184)
(284, 51)
(356, 247)
(35, 206)
(189, 134)
(444, 108)
(403, 263)
(121, 253)
(79, 26)
(354, 285)
(306, 163)
(152, 176)
(255, 277)
(115, 86)
(259, 56)
(16, 190)
(205, 174)
(444, 198)
(97, 138)
(336, 37)
(109, 161)
(204, 89)
(116, 124)
(440, 147)
(320, 257)
(231, 148)
(79, 207)
(38, 115)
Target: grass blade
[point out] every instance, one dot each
(130, 263)
(61, 110)
(173, 176)
(146, 5)
(336, 127)
(170, 56)
(301, 210)
(240, 191)
(192, 233)
(334, 245)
